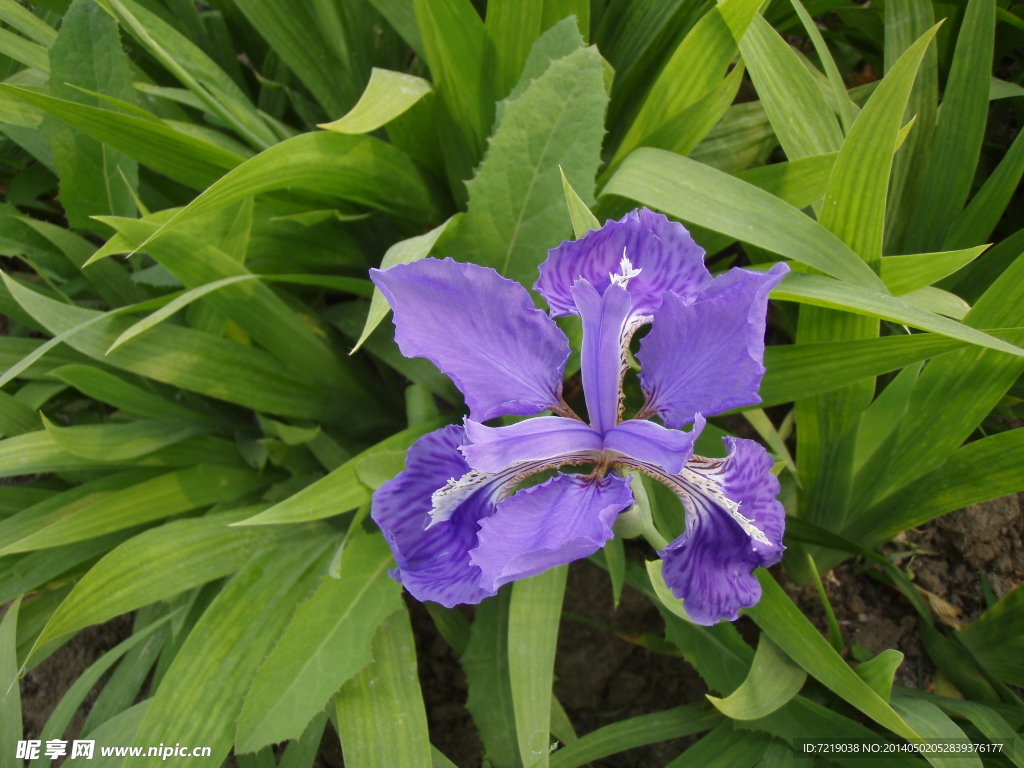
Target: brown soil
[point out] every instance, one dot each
(601, 678)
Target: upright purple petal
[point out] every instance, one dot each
(710, 567)
(433, 564)
(662, 250)
(482, 330)
(564, 519)
(606, 334)
(707, 356)
(646, 444)
(545, 439)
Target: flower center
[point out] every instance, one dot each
(626, 271)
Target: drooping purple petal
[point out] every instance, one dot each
(545, 438)
(647, 444)
(707, 356)
(710, 567)
(606, 332)
(662, 250)
(506, 356)
(564, 519)
(433, 564)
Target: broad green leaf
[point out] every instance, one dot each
(801, 117)
(341, 490)
(793, 633)
(516, 201)
(987, 720)
(959, 133)
(981, 470)
(819, 291)
(995, 637)
(196, 71)
(402, 252)
(772, 681)
(119, 442)
(179, 555)
(582, 219)
(183, 157)
(327, 642)
(635, 732)
(700, 194)
(94, 179)
(10, 692)
(302, 752)
(19, 497)
(882, 416)
(203, 690)
(387, 95)
(879, 671)
(69, 703)
(976, 222)
(929, 721)
(713, 43)
(153, 499)
(724, 747)
(903, 274)
(534, 613)
(356, 169)
(113, 390)
(854, 206)
(382, 720)
(556, 43)
(485, 662)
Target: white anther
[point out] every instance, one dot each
(627, 272)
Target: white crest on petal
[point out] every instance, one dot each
(626, 271)
(713, 491)
(445, 500)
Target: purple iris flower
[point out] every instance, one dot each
(456, 525)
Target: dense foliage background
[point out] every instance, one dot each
(193, 193)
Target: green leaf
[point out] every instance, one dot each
(153, 499)
(10, 691)
(801, 117)
(709, 198)
(93, 178)
(879, 671)
(987, 720)
(635, 732)
(882, 416)
(485, 663)
(387, 95)
(341, 490)
(959, 133)
(772, 681)
(22, 19)
(36, 452)
(183, 157)
(724, 747)
(16, 418)
(938, 301)
(402, 252)
(516, 201)
(662, 592)
(931, 723)
(854, 206)
(512, 26)
(819, 291)
(793, 633)
(534, 614)
(202, 692)
(713, 43)
(21, 50)
(113, 390)
(996, 638)
(903, 274)
(582, 219)
(381, 717)
(356, 169)
(119, 442)
(196, 71)
(69, 703)
(402, 16)
(843, 105)
(981, 470)
(976, 222)
(327, 642)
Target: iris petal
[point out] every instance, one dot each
(564, 519)
(663, 251)
(546, 438)
(506, 356)
(707, 356)
(734, 524)
(644, 443)
(433, 564)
